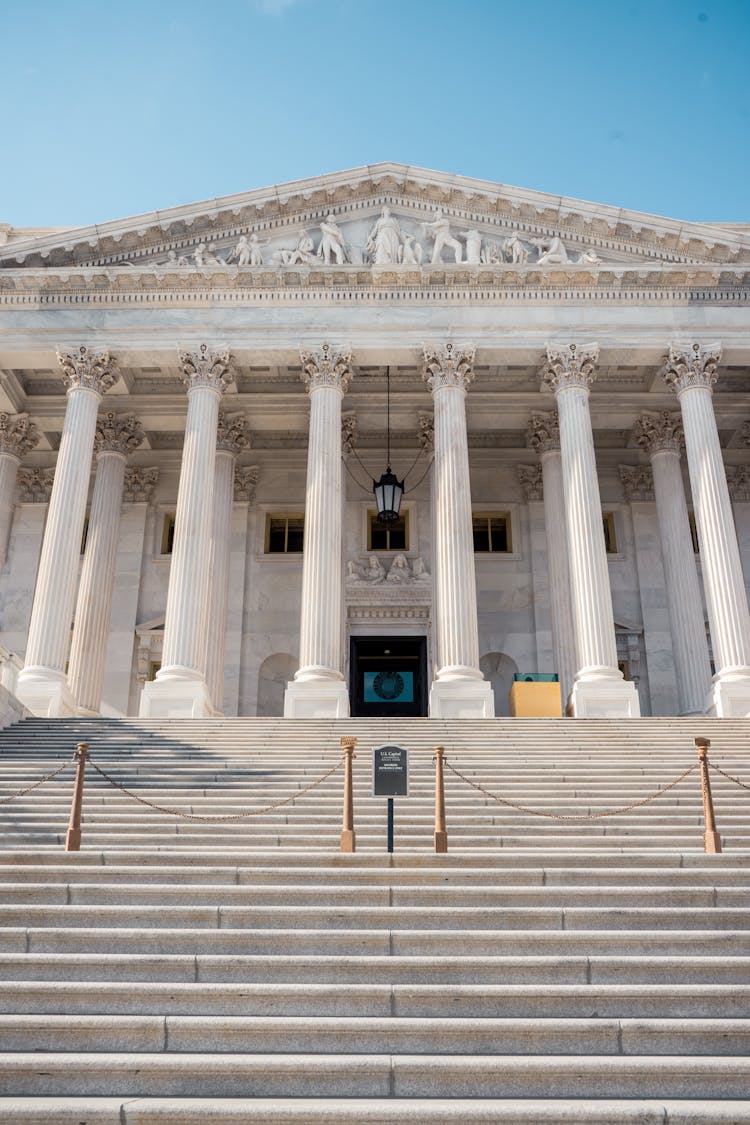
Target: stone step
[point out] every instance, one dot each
(373, 1075)
(213, 998)
(370, 1111)
(375, 969)
(374, 1035)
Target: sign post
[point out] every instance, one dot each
(390, 778)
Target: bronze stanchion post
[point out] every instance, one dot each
(711, 838)
(73, 838)
(348, 839)
(441, 836)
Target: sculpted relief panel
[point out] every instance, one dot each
(391, 240)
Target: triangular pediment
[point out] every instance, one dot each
(284, 226)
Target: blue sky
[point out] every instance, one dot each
(111, 109)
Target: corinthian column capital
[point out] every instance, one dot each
(18, 434)
(530, 480)
(543, 432)
(87, 369)
(206, 368)
(448, 365)
(692, 365)
(573, 366)
(638, 481)
(654, 432)
(118, 433)
(326, 367)
(232, 433)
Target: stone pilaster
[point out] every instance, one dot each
(661, 437)
(117, 435)
(318, 689)
(691, 371)
(459, 689)
(18, 435)
(232, 437)
(599, 690)
(180, 689)
(42, 684)
(543, 436)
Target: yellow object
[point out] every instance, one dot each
(535, 700)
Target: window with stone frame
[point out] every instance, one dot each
(393, 536)
(285, 533)
(492, 532)
(694, 532)
(167, 533)
(610, 535)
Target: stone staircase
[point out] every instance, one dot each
(175, 972)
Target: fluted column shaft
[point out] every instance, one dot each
(455, 580)
(661, 437)
(91, 627)
(320, 622)
(18, 435)
(9, 463)
(720, 557)
(592, 599)
(42, 682)
(558, 563)
(219, 571)
(184, 653)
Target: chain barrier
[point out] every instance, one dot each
(214, 819)
(565, 816)
(728, 776)
(28, 789)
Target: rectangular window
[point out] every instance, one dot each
(694, 532)
(387, 536)
(153, 668)
(492, 532)
(285, 534)
(610, 539)
(167, 534)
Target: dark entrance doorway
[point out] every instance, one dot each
(388, 676)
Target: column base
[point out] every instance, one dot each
(729, 697)
(462, 699)
(316, 699)
(605, 699)
(175, 699)
(45, 693)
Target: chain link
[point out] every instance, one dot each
(728, 776)
(28, 789)
(564, 816)
(214, 819)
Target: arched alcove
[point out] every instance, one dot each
(499, 669)
(275, 673)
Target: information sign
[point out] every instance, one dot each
(390, 771)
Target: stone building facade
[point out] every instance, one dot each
(194, 404)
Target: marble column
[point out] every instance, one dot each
(691, 371)
(18, 435)
(116, 436)
(232, 437)
(661, 437)
(459, 689)
(42, 684)
(318, 690)
(543, 436)
(180, 689)
(599, 690)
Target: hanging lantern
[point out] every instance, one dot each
(388, 493)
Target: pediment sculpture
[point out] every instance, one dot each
(401, 572)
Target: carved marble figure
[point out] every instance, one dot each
(410, 252)
(332, 243)
(440, 230)
(399, 571)
(516, 250)
(551, 250)
(384, 240)
(374, 571)
(473, 241)
(588, 258)
(302, 254)
(247, 252)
